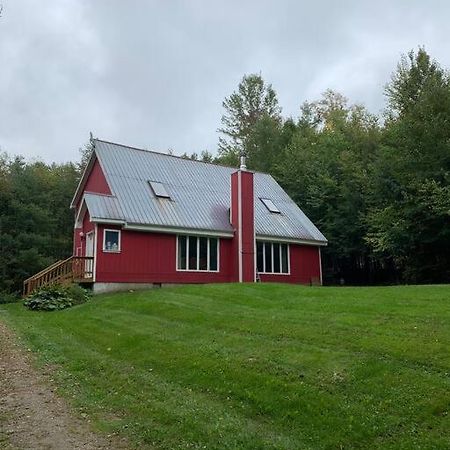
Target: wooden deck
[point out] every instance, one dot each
(78, 269)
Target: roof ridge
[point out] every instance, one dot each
(173, 156)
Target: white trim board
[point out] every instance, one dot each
(199, 232)
(240, 256)
(288, 240)
(186, 231)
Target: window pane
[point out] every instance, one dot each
(276, 258)
(182, 252)
(259, 257)
(159, 189)
(203, 263)
(270, 205)
(112, 240)
(268, 246)
(213, 242)
(284, 259)
(192, 253)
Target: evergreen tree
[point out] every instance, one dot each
(253, 101)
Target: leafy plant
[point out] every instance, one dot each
(56, 297)
(77, 294)
(6, 297)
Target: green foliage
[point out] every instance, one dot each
(55, 297)
(78, 294)
(85, 155)
(378, 190)
(324, 168)
(409, 221)
(253, 101)
(7, 297)
(255, 366)
(36, 224)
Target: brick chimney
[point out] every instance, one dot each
(242, 217)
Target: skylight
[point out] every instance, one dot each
(159, 189)
(270, 205)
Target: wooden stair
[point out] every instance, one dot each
(78, 269)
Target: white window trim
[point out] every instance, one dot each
(104, 249)
(198, 254)
(281, 264)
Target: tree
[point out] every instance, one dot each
(253, 100)
(324, 169)
(415, 72)
(267, 141)
(205, 156)
(410, 206)
(36, 224)
(85, 154)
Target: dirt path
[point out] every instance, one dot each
(32, 416)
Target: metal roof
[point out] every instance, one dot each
(199, 195)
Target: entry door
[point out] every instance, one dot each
(89, 263)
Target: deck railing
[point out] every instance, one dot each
(76, 268)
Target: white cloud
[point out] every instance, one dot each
(154, 74)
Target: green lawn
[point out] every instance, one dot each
(256, 366)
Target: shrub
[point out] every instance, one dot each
(55, 297)
(77, 294)
(7, 297)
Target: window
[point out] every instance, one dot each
(159, 189)
(272, 257)
(270, 205)
(197, 253)
(111, 241)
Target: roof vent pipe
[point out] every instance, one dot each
(243, 166)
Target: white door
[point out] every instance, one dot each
(89, 251)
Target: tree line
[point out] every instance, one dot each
(377, 186)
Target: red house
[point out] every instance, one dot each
(151, 219)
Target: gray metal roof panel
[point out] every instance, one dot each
(199, 194)
(103, 206)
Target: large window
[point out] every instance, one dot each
(198, 253)
(272, 257)
(111, 241)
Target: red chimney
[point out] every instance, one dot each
(242, 218)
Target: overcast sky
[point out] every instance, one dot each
(154, 74)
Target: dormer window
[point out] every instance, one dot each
(270, 205)
(159, 189)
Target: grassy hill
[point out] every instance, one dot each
(256, 366)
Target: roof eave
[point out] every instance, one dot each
(292, 240)
(164, 229)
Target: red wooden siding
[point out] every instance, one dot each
(96, 181)
(151, 258)
(78, 241)
(304, 264)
